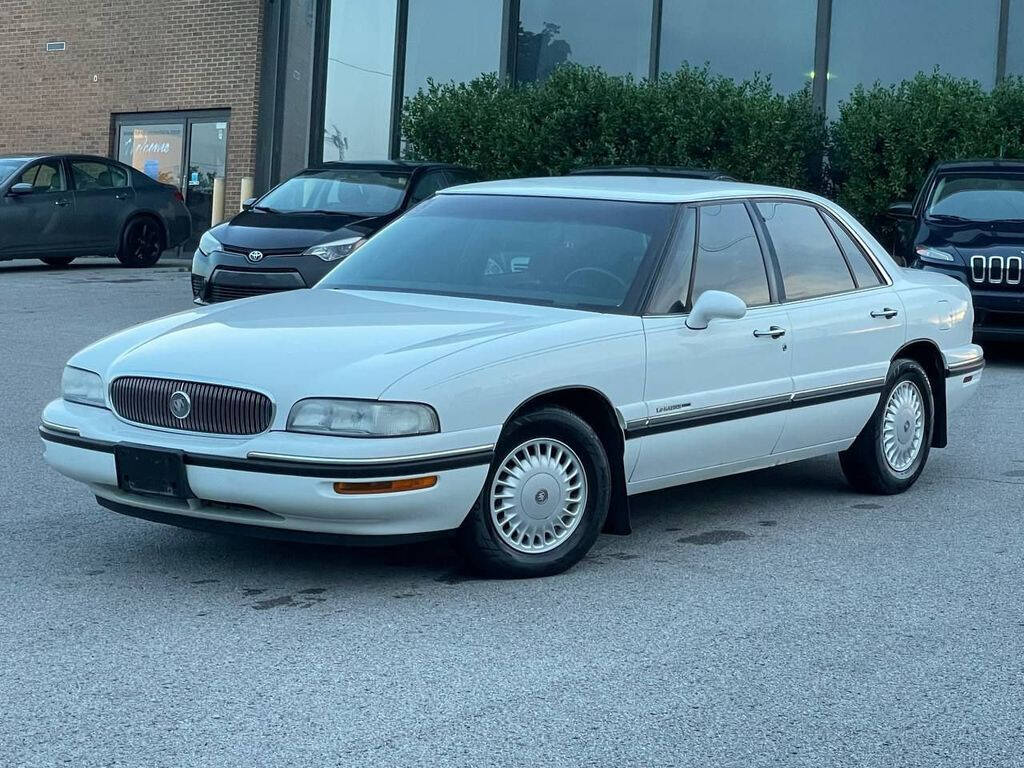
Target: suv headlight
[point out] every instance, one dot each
(362, 418)
(934, 255)
(80, 386)
(208, 244)
(336, 250)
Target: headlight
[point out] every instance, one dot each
(934, 255)
(362, 418)
(335, 250)
(208, 243)
(80, 386)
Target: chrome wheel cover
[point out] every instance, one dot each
(903, 426)
(538, 496)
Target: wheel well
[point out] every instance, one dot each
(928, 356)
(595, 409)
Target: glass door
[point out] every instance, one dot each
(185, 149)
(207, 156)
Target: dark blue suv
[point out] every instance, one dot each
(967, 221)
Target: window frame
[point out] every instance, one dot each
(821, 211)
(833, 223)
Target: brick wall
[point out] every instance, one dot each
(137, 56)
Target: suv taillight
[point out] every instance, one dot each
(178, 196)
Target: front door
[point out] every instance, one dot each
(716, 396)
(40, 223)
(845, 324)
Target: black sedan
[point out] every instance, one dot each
(299, 231)
(967, 221)
(56, 208)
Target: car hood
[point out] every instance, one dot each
(310, 343)
(291, 231)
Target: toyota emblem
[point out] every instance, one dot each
(254, 256)
(180, 405)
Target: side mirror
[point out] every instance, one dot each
(715, 305)
(903, 211)
(248, 203)
(21, 188)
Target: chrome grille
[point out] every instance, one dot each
(997, 270)
(215, 409)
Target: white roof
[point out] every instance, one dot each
(647, 189)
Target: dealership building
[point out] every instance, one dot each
(249, 91)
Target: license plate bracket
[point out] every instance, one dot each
(153, 471)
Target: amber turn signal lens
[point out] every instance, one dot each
(387, 486)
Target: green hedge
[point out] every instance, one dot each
(876, 152)
(580, 116)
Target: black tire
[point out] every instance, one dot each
(57, 261)
(142, 242)
(478, 538)
(864, 463)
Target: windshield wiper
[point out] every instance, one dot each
(945, 217)
(265, 208)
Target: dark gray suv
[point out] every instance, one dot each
(56, 208)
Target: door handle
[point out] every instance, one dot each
(774, 332)
(121, 196)
(887, 313)
(60, 203)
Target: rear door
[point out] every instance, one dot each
(40, 223)
(845, 323)
(715, 396)
(104, 199)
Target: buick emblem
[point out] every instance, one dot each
(541, 496)
(180, 405)
(254, 256)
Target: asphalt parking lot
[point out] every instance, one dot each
(772, 619)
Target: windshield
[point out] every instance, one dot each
(356, 192)
(9, 165)
(581, 254)
(992, 197)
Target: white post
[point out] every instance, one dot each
(217, 214)
(246, 190)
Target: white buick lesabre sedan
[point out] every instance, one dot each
(511, 361)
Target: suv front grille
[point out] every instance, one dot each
(213, 408)
(996, 270)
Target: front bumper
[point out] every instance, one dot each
(223, 276)
(264, 482)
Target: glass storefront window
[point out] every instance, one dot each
(879, 40)
(154, 149)
(360, 74)
(737, 38)
(451, 40)
(1015, 39)
(613, 34)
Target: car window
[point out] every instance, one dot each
(863, 272)
(978, 197)
(565, 252)
(463, 177)
(729, 255)
(673, 287)
(810, 260)
(428, 185)
(350, 191)
(44, 177)
(92, 174)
